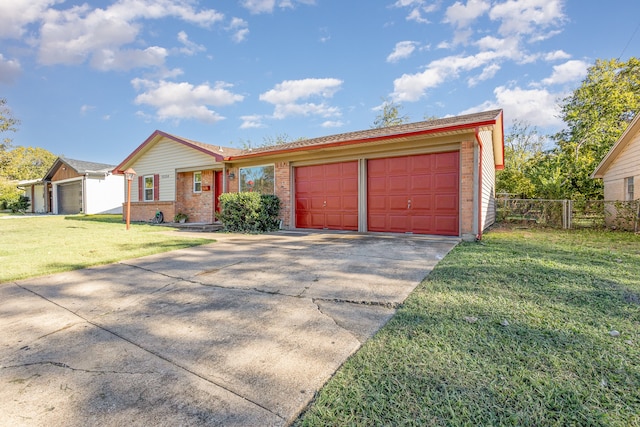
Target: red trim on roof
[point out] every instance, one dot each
(470, 126)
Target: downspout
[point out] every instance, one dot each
(480, 149)
(84, 193)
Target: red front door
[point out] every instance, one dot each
(327, 196)
(414, 194)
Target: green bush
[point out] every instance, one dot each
(21, 205)
(249, 212)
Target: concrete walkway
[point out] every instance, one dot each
(241, 332)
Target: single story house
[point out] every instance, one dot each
(433, 177)
(620, 169)
(76, 186)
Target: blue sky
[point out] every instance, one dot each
(92, 80)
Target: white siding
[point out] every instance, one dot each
(163, 158)
(488, 180)
(104, 195)
(37, 204)
(627, 164)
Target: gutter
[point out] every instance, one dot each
(480, 149)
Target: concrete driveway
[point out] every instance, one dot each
(241, 332)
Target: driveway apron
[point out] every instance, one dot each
(241, 332)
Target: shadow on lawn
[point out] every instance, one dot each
(105, 218)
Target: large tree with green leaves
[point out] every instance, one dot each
(7, 124)
(596, 114)
(522, 149)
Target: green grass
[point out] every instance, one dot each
(38, 245)
(554, 364)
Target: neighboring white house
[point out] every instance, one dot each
(75, 186)
(620, 168)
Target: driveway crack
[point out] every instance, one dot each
(153, 353)
(65, 366)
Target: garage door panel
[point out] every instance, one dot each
(70, 198)
(429, 181)
(421, 183)
(446, 202)
(332, 191)
(422, 202)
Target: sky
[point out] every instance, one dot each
(92, 80)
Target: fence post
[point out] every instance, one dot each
(567, 211)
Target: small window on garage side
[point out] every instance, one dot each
(258, 179)
(628, 185)
(197, 182)
(148, 188)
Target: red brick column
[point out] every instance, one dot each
(467, 205)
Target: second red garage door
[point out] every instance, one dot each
(414, 194)
(327, 196)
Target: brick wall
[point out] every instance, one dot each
(467, 205)
(198, 206)
(283, 190)
(146, 211)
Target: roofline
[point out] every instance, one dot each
(119, 169)
(617, 147)
(468, 126)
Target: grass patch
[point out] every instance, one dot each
(38, 245)
(553, 362)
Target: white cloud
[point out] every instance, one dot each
(266, 6)
(537, 106)
(183, 100)
(239, 28)
(487, 73)
(190, 48)
(402, 50)
(10, 69)
(251, 122)
(412, 87)
(570, 71)
(73, 35)
(556, 55)
(332, 124)
(127, 59)
(15, 15)
(286, 97)
(462, 15)
(527, 16)
(418, 8)
(86, 108)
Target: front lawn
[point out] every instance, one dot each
(38, 245)
(520, 330)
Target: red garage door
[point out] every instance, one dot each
(327, 196)
(414, 194)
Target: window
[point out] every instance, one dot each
(197, 182)
(259, 179)
(628, 185)
(148, 188)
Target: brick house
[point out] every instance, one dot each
(432, 177)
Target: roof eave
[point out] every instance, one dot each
(467, 126)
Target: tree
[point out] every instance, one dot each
(390, 115)
(596, 114)
(523, 147)
(7, 124)
(26, 163)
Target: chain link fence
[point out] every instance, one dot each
(569, 214)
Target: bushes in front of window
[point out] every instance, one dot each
(248, 212)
